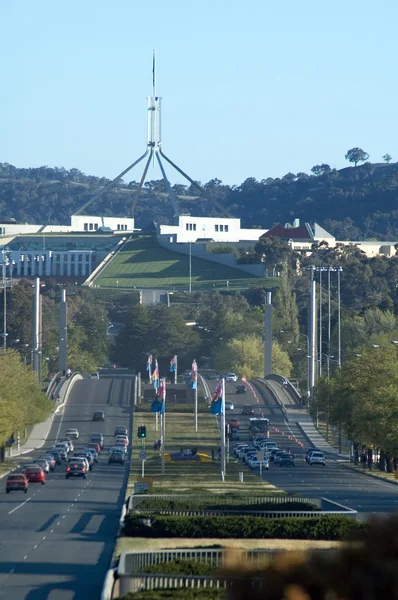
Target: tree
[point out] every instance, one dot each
(387, 158)
(273, 251)
(245, 356)
(285, 310)
(356, 155)
(322, 169)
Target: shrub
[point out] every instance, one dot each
(180, 566)
(226, 504)
(311, 528)
(173, 594)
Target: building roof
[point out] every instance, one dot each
(303, 233)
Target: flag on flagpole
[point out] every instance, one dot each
(155, 375)
(216, 403)
(159, 404)
(149, 362)
(194, 375)
(173, 364)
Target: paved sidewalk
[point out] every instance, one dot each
(40, 431)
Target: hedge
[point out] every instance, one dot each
(180, 566)
(177, 594)
(192, 504)
(245, 527)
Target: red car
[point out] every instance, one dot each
(35, 475)
(233, 423)
(94, 445)
(17, 481)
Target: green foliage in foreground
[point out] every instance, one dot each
(173, 594)
(180, 567)
(22, 401)
(194, 504)
(312, 528)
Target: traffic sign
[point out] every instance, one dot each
(142, 455)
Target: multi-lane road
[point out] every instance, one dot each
(56, 541)
(335, 481)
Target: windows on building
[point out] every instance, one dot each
(190, 226)
(96, 226)
(85, 226)
(221, 227)
(226, 228)
(91, 226)
(215, 227)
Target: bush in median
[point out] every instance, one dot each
(180, 566)
(186, 504)
(311, 528)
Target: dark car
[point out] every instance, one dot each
(287, 460)
(117, 456)
(98, 415)
(55, 454)
(97, 438)
(247, 409)
(234, 435)
(76, 469)
(17, 481)
(120, 431)
(241, 389)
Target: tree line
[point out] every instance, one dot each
(353, 203)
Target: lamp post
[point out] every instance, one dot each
(190, 267)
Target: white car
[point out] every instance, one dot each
(317, 458)
(94, 375)
(61, 446)
(72, 433)
(229, 405)
(254, 463)
(231, 377)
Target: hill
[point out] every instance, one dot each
(353, 203)
(143, 264)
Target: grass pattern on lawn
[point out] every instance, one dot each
(142, 263)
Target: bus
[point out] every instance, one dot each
(259, 425)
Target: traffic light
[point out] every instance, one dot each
(142, 431)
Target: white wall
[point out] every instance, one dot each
(220, 229)
(83, 223)
(17, 229)
(251, 235)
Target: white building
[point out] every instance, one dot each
(79, 223)
(216, 229)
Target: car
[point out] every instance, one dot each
(35, 474)
(255, 463)
(287, 460)
(97, 438)
(87, 455)
(76, 468)
(43, 463)
(234, 423)
(94, 446)
(62, 446)
(62, 450)
(229, 405)
(93, 452)
(247, 409)
(273, 452)
(120, 447)
(55, 454)
(120, 431)
(122, 439)
(241, 389)
(82, 458)
(234, 434)
(72, 433)
(238, 447)
(250, 452)
(317, 458)
(277, 456)
(231, 377)
(309, 452)
(69, 443)
(17, 481)
(98, 415)
(94, 375)
(51, 461)
(117, 456)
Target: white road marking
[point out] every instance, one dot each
(19, 506)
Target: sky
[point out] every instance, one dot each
(256, 89)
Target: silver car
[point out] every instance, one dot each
(42, 463)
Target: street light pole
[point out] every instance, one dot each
(339, 316)
(190, 267)
(4, 303)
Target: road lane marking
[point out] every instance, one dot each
(19, 505)
(52, 531)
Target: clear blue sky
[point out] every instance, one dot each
(250, 89)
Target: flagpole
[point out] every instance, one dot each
(163, 427)
(196, 407)
(150, 372)
(223, 431)
(175, 372)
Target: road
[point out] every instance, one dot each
(56, 542)
(335, 481)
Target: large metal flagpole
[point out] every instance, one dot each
(223, 431)
(163, 424)
(268, 335)
(36, 329)
(63, 333)
(312, 334)
(320, 322)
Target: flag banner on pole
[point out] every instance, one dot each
(194, 375)
(173, 364)
(149, 362)
(159, 404)
(155, 375)
(216, 403)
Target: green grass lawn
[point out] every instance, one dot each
(142, 263)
